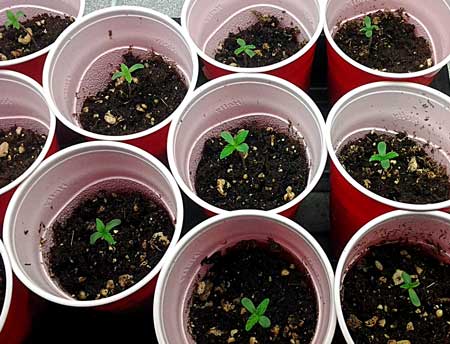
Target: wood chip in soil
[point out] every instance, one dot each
(19, 148)
(274, 39)
(35, 34)
(378, 310)
(256, 271)
(123, 109)
(396, 47)
(414, 177)
(89, 272)
(275, 171)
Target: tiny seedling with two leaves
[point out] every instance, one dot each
(127, 74)
(368, 28)
(13, 19)
(103, 231)
(236, 143)
(257, 313)
(410, 286)
(244, 48)
(383, 157)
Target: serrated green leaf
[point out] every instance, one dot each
(240, 137)
(391, 155)
(385, 164)
(136, 67)
(264, 321)
(109, 239)
(117, 75)
(241, 42)
(94, 237)
(262, 307)
(251, 322)
(382, 148)
(369, 33)
(248, 304)
(367, 21)
(250, 53)
(111, 224)
(414, 284)
(243, 148)
(414, 298)
(227, 137)
(99, 225)
(406, 278)
(227, 151)
(375, 157)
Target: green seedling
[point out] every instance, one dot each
(126, 72)
(244, 48)
(236, 143)
(103, 231)
(410, 285)
(382, 157)
(13, 19)
(257, 313)
(368, 28)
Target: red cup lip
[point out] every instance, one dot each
(111, 11)
(385, 75)
(417, 88)
(203, 227)
(28, 82)
(352, 244)
(9, 286)
(20, 60)
(203, 91)
(58, 158)
(265, 69)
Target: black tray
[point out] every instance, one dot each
(58, 324)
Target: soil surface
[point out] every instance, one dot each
(255, 271)
(2, 285)
(273, 41)
(275, 171)
(122, 109)
(395, 47)
(89, 272)
(19, 148)
(414, 177)
(45, 29)
(378, 310)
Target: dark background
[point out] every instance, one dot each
(58, 324)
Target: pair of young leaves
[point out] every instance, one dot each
(13, 19)
(410, 285)
(126, 72)
(368, 28)
(257, 313)
(383, 157)
(236, 143)
(103, 231)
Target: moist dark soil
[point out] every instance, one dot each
(89, 272)
(275, 171)
(395, 47)
(414, 177)
(45, 29)
(2, 285)
(274, 42)
(256, 271)
(19, 148)
(377, 310)
(123, 109)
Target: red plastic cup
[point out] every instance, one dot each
(33, 64)
(345, 74)
(430, 230)
(208, 22)
(22, 103)
(83, 57)
(15, 316)
(184, 266)
(396, 107)
(231, 101)
(57, 184)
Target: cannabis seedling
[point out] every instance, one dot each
(257, 313)
(103, 231)
(126, 72)
(13, 19)
(368, 27)
(410, 285)
(382, 157)
(234, 143)
(244, 48)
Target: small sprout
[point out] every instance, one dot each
(368, 27)
(13, 19)
(126, 72)
(257, 313)
(103, 231)
(245, 48)
(410, 285)
(382, 157)
(234, 143)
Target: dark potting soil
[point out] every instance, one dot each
(274, 42)
(123, 109)
(378, 310)
(395, 47)
(2, 285)
(414, 177)
(256, 271)
(19, 148)
(89, 272)
(35, 34)
(275, 171)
